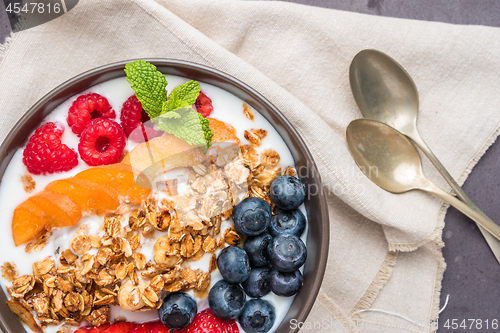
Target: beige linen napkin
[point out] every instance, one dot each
(385, 264)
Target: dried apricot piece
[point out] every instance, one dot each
(121, 178)
(92, 198)
(29, 221)
(223, 132)
(63, 212)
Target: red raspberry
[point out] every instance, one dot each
(87, 107)
(134, 116)
(102, 142)
(45, 153)
(203, 105)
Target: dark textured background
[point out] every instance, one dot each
(472, 277)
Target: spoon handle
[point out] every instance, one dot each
(493, 243)
(479, 218)
(442, 170)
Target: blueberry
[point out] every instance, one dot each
(287, 253)
(285, 284)
(287, 222)
(177, 311)
(257, 284)
(226, 300)
(251, 217)
(256, 248)
(234, 264)
(287, 192)
(258, 316)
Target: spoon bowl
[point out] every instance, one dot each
(383, 90)
(391, 161)
(385, 156)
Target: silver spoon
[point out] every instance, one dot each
(391, 161)
(384, 91)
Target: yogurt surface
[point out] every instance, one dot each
(227, 108)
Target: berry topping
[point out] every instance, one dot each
(102, 142)
(119, 328)
(99, 328)
(287, 192)
(287, 222)
(285, 284)
(256, 248)
(287, 253)
(159, 328)
(226, 300)
(136, 122)
(258, 316)
(252, 216)
(177, 311)
(206, 322)
(234, 265)
(258, 283)
(203, 105)
(127, 327)
(87, 107)
(145, 327)
(45, 153)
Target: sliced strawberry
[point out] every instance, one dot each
(119, 328)
(160, 328)
(99, 328)
(207, 322)
(143, 328)
(81, 330)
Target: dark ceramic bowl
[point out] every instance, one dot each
(317, 213)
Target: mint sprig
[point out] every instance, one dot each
(149, 86)
(207, 132)
(173, 115)
(182, 96)
(184, 123)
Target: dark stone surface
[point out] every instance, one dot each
(482, 12)
(5, 28)
(472, 277)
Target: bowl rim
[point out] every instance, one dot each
(32, 118)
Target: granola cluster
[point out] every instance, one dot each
(108, 268)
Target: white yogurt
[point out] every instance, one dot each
(227, 108)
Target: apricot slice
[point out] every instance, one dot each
(29, 221)
(223, 132)
(161, 154)
(92, 198)
(119, 177)
(63, 212)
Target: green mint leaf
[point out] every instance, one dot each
(207, 132)
(173, 103)
(170, 115)
(182, 96)
(149, 86)
(185, 124)
(188, 92)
